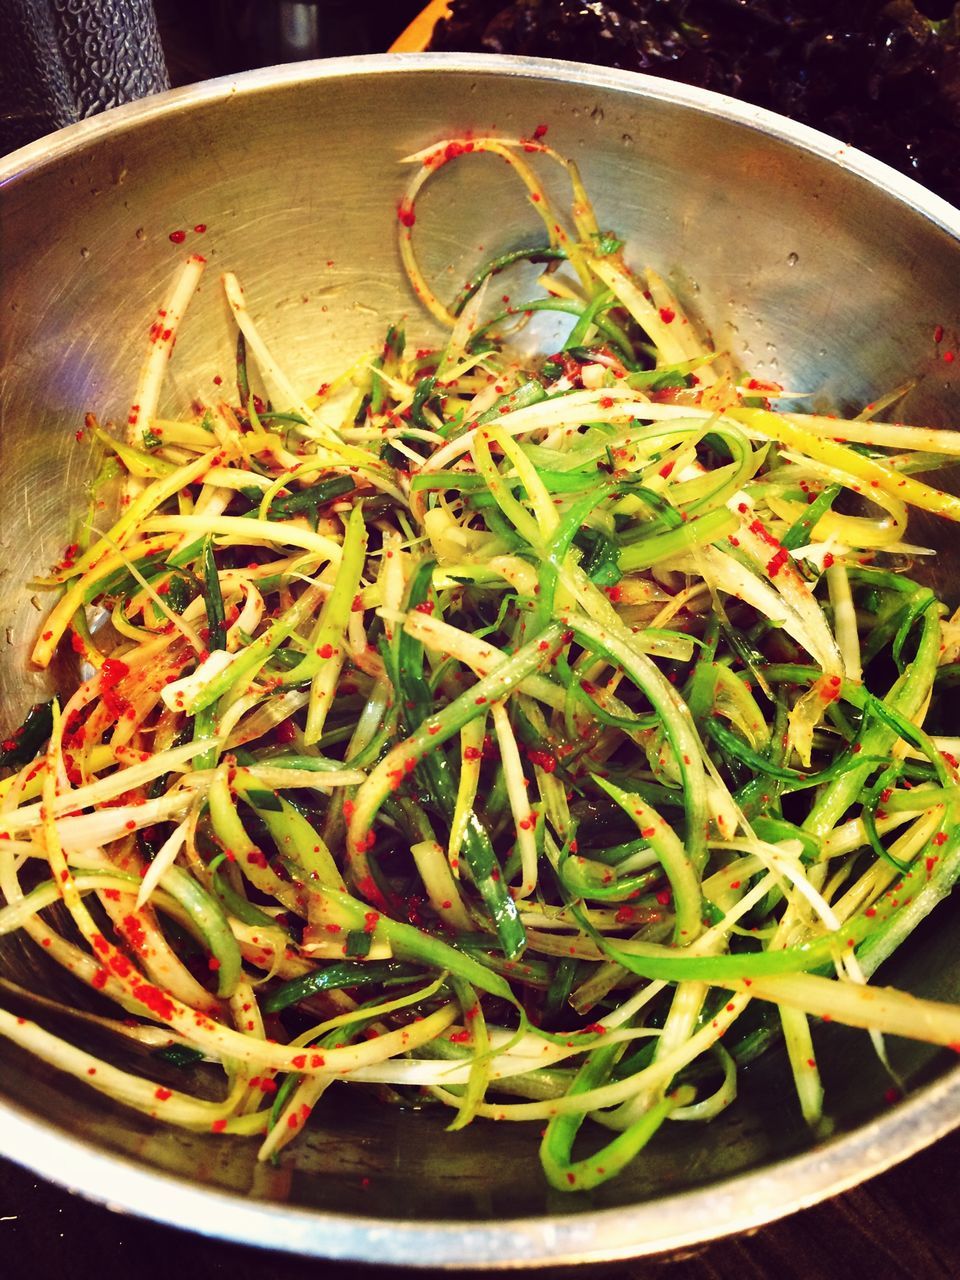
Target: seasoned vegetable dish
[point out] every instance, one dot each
(540, 737)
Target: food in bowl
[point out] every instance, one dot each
(543, 735)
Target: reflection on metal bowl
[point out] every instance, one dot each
(818, 266)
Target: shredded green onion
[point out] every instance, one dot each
(500, 726)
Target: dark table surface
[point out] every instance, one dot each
(903, 1223)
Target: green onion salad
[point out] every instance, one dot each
(539, 738)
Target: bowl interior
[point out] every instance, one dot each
(804, 264)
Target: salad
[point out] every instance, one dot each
(539, 738)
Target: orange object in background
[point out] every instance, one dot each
(416, 37)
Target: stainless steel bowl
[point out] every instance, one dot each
(819, 266)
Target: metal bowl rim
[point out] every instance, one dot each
(743, 1202)
(75, 137)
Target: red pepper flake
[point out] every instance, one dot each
(154, 1000)
(759, 528)
(948, 357)
(134, 933)
(472, 753)
(120, 965)
(405, 214)
(112, 672)
(178, 237)
(667, 315)
(218, 1126)
(162, 1094)
(543, 759)
(606, 402)
(454, 149)
(940, 838)
(663, 897)
(200, 228)
(425, 606)
(539, 132)
(366, 886)
(459, 1037)
(776, 562)
(667, 468)
(299, 1061)
(370, 921)
(938, 333)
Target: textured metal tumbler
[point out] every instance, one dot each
(63, 60)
